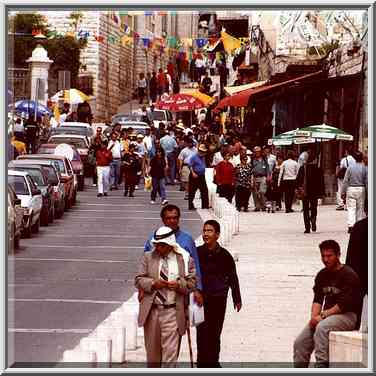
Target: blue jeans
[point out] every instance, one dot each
(158, 187)
(171, 160)
(115, 178)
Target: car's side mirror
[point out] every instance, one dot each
(37, 192)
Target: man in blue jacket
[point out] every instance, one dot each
(170, 215)
(197, 166)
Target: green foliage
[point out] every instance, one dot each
(63, 50)
(324, 49)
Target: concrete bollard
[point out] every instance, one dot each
(117, 334)
(80, 356)
(129, 320)
(102, 347)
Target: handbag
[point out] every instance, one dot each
(342, 171)
(147, 183)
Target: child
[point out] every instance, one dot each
(158, 173)
(131, 168)
(225, 178)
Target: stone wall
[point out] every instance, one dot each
(109, 64)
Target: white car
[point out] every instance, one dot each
(160, 116)
(83, 128)
(31, 200)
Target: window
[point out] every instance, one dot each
(19, 185)
(52, 177)
(32, 185)
(78, 143)
(36, 175)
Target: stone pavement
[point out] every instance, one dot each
(276, 268)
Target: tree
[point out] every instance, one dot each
(64, 50)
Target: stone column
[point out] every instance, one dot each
(40, 64)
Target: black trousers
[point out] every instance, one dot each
(226, 191)
(193, 185)
(209, 332)
(242, 195)
(309, 212)
(289, 189)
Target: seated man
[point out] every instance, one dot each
(335, 304)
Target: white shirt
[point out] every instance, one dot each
(289, 170)
(173, 273)
(18, 127)
(186, 154)
(148, 142)
(116, 150)
(217, 158)
(350, 162)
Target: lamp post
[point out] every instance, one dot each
(40, 64)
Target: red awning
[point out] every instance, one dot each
(241, 99)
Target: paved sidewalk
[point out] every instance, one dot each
(276, 268)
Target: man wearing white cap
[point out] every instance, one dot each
(167, 275)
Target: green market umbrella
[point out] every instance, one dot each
(324, 132)
(289, 138)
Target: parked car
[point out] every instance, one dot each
(40, 177)
(78, 166)
(75, 126)
(81, 143)
(66, 171)
(54, 178)
(15, 220)
(31, 200)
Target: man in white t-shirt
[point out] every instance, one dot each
(117, 150)
(183, 161)
(346, 161)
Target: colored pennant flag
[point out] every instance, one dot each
(200, 42)
(229, 43)
(149, 13)
(146, 42)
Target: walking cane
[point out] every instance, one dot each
(190, 344)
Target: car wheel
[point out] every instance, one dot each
(44, 220)
(51, 215)
(74, 199)
(16, 241)
(35, 227)
(27, 231)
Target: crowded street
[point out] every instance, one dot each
(187, 189)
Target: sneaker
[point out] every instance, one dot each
(99, 195)
(164, 202)
(340, 208)
(136, 187)
(94, 185)
(105, 194)
(152, 202)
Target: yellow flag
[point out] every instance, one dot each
(56, 112)
(229, 43)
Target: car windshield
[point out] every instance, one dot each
(70, 130)
(52, 177)
(19, 184)
(36, 174)
(43, 150)
(158, 115)
(127, 117)
(78, 143)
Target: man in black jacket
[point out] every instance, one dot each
(310, 181)
(218, 273)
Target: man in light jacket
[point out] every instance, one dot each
(166, 276)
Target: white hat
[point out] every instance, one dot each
(165, 235)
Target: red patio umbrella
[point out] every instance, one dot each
(179, 103)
